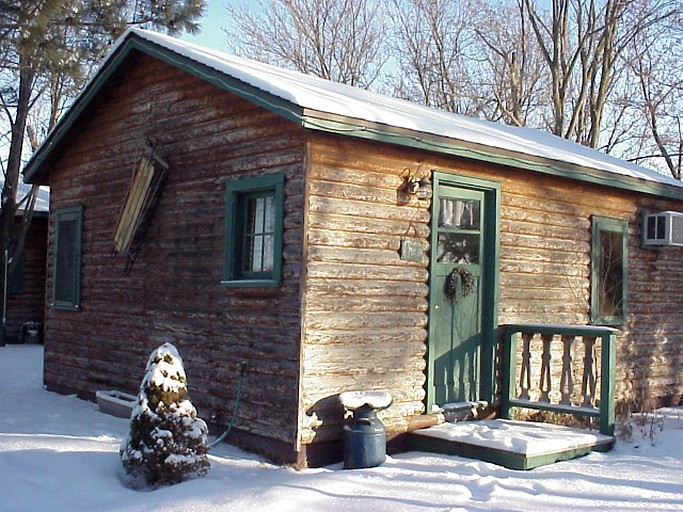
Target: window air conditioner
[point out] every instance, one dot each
(663, 228)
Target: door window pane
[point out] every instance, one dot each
(459, 213)
(458, 248)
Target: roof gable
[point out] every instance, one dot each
(319, 104)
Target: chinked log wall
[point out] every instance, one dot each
(173, 291)
(366, 309)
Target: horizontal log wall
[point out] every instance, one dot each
(366, 309)
(651, 356)
(173, 292)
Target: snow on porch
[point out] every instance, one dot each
(509, 443)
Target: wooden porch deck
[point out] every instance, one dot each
(509, 443)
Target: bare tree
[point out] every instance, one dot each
(658, 70)
(339, 40)
(46, 46)
(431, 45)
(605, 73)
(512, 88)
(583, 43)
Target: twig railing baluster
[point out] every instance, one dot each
(566, 400)
(567, 381)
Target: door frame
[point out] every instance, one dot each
(489, 280)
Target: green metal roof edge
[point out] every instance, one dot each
(425, 141)
(134, 42)
(321, 121)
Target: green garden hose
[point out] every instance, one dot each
(238, 397)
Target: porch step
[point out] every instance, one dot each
(463, 411)
(512, 444)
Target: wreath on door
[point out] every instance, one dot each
(467, 283)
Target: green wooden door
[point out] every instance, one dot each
(460, 294)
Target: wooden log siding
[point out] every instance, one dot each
(362, 340)
(173, 291)
(365, 310)
(28, 304)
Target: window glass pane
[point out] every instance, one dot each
(459, 213)
(254, 257)
(269, 221)
(611, 274)
(458, 248)
(258, 241)
(254, 216)
(66, 264)
(268, 250)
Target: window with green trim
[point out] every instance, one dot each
(608, 270)
(67, 262)
(253, 227)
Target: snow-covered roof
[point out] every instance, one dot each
(329, 106)
(42, 203)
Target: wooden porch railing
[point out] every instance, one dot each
(575, 362)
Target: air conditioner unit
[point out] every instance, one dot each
(663, 228)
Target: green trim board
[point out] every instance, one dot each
(429, 142)
(434, 143)
(237, 195)
(35, 171)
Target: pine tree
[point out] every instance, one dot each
(48, 48)
(167, 443)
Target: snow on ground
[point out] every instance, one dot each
(59, 453)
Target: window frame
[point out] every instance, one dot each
(63, 215)
(601, 225)
(236, 192)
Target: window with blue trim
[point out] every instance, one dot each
(253, 227)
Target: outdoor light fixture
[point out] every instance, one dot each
(419, 186)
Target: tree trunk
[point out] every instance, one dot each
(10, 186)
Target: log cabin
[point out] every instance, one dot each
(318, 239)
(25, 292)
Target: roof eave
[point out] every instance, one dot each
(349, 127)
(35, 170)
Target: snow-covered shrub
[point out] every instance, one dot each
(167, 442)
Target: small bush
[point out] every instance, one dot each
(167, 442)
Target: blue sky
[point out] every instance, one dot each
(214, 20)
